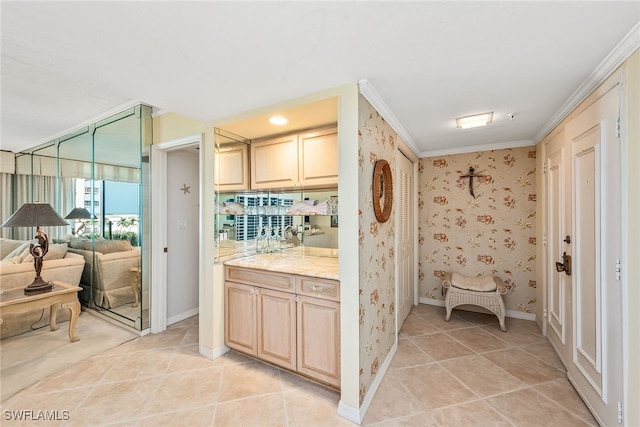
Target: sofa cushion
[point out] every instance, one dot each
(10, 261)
(482, 284)
(56, 251)
(111, 246)
(103, 246)
(7, 246)
(22, 250)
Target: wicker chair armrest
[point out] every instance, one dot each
(446, 280)
(500, 287)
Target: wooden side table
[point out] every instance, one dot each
(63, 295)
(135, 281)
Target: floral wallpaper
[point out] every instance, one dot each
(492, 233)
(377, 140)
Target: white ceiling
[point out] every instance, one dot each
(69, 63)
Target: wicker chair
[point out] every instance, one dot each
(491, 300)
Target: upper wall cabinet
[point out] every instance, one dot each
(233, 168)
(308, 160)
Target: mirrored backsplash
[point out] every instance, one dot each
(261, 222)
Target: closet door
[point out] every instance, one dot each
(557, 238)
(405, 235)
(596, 349)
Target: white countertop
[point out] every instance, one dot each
(314, 262)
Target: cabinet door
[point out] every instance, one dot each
(318, 158)
(277, 327)
(240, 318)
(274, 163)
(232, 168)
(319, 339)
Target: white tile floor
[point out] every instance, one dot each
(462, 373)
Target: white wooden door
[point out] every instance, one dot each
(558, 227)
(596, 349)
(404, 235)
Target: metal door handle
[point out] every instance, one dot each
(565, 265)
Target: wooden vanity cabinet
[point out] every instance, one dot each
(261, 322)
(308, 160)
(232, 168)
(288, 320)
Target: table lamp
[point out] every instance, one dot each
(36, 215)
(79, 213)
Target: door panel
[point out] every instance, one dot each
(595, 368)
(404, 230)
(276, 327)
(556, 299)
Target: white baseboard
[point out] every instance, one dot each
(357, 415)
(179, 317)
(510, 313)
(349, 412)
(213, 353)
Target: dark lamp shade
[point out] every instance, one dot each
(80, 213)
(35, 214)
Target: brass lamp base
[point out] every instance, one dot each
(38, 286)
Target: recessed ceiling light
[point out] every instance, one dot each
(278, 120)
(474, 121)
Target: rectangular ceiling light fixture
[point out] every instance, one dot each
(474, 121)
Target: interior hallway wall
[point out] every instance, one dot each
(377, 249)
(491, 234)
(182, 234)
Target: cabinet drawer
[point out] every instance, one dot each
(319, 288)
(262, 278)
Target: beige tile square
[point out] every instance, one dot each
(476, 413)
(519, 331)
(267, 410)
(433, 386)
(545, 352)
(423, 419)
(183, 390)
(190, 417)
(414, 326)
(481, 376)
(408, 354)
(114, 402)
(524, 366)
(392, 400)
(247, 380)
(529, 408)
(441, 346)
(140, 364)
(313, 406)
(563, 393)
(478, 340)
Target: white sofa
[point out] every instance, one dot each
(17, 271)
(108, 265)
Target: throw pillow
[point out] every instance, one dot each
(111, 246)
(21, 250)
(56, 251)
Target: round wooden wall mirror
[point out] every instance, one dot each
(382, 190)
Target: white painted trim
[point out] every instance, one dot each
(509, 313)
(158, 164)
(185, 315)
(476, 148)
(629, 44)
(381, 107)
(213, 353)
(349, 412)
(158, 282)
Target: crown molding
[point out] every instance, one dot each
(629, 44)
(376, 101)
(477, 148)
